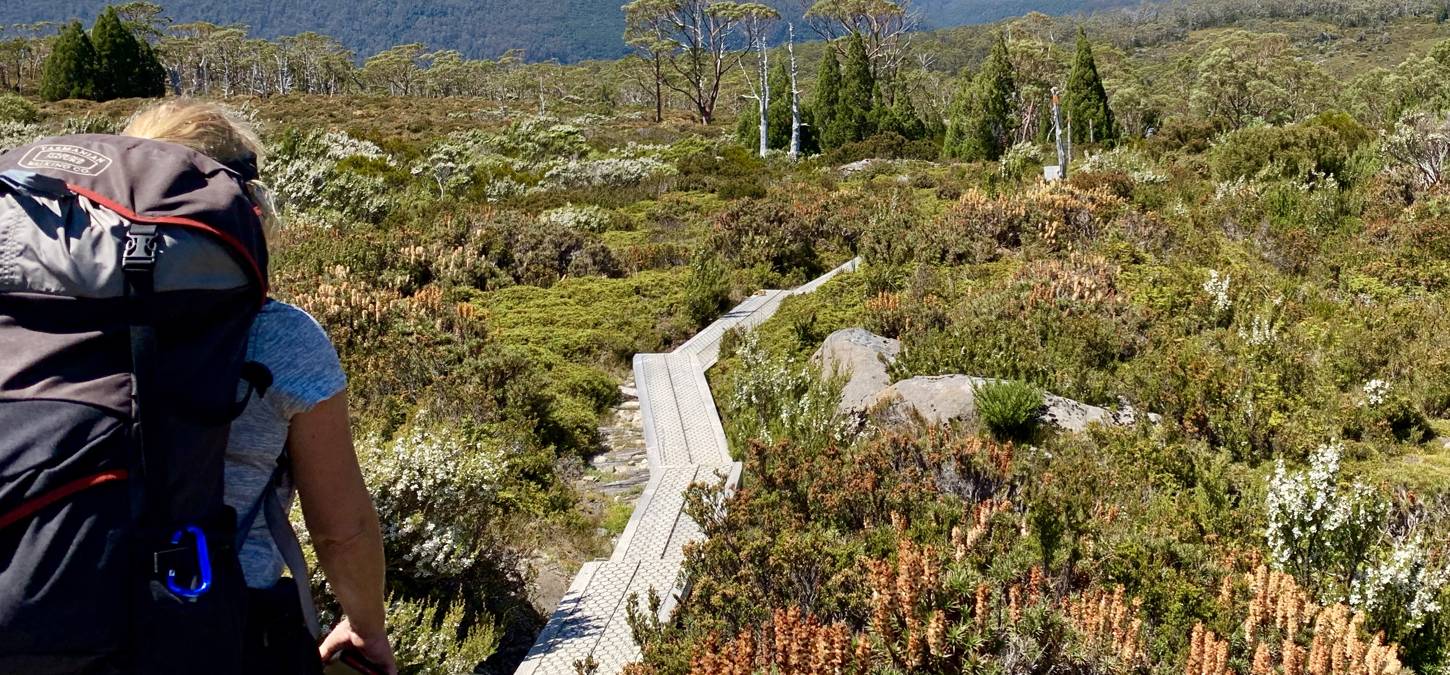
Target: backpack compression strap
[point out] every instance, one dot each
(138, 264)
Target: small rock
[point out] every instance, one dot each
(854, 168)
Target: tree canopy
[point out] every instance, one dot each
(982, 123)
(70, 70)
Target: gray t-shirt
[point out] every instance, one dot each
(305, 372)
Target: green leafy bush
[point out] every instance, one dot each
(429, 639)
(707, 291)
(1010, 409)
(16, 108)
(1295, 152)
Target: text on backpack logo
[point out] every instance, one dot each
(67, 158)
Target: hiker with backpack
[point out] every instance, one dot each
(157, 414)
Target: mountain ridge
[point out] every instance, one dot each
(566, 30)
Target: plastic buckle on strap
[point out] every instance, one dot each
(140, 254)
(201, 582)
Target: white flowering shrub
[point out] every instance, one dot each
(583, 218)
(305, 175)
(606, 173)
(1420, 148)
(773, 399)
(1235, 190)
(1318, 530)
(1376, 392)
(1336, 538)
(1020, 161)
(1217, 288)
(90, 124)
(538, 140)
(1401, 587)
(434, 488)
(1124, 160)
(16, 108)
(467, 158)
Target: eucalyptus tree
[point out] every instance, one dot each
(146, 20)
(651, 48)
(696, 43)
(885, 27)
(398, 70)
(23, 52)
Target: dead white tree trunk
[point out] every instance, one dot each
(795, 98)
(763, 64)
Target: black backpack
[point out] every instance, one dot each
(130, 274)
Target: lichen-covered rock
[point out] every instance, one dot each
(861, 356)
(953, 398)
(936, 400)
(865, 359)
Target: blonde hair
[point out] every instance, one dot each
(213, 131)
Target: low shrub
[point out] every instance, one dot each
(430, 639)
(16, 108)
(1011, 410)
(884, 146)
(1295, 152)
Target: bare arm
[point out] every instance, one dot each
(344, 526)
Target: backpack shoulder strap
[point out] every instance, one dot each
(285, 538)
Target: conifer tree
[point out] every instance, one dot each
(70, 70)
(118, 58)
(901, 118)
(1086, 100)
(982, 121)
(779, 110)
(747, 126)
(828, 94)
(854, 107)
(151, 78)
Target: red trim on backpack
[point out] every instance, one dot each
(225, 238)
(31, 506)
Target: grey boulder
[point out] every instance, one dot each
(953, 398)
(861, 356)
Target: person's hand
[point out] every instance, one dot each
(374, 648)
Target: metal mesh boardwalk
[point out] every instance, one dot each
(686, 445)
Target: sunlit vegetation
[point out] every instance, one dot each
(1251, 245)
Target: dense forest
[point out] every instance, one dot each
(564, 30)
(1250, 248)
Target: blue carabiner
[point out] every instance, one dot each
(203, 564)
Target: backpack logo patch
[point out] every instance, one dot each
(67, 158)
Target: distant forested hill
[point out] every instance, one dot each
(568, 30)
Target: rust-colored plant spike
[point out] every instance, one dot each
(1109, 623)
(981, 524)
(982, 606)
(1078, 283)
(1207, 654)
(1263, 661)
(790, 644)
(1279, 618)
